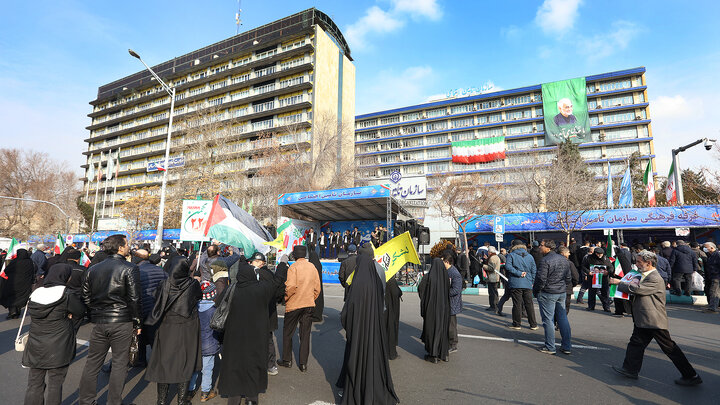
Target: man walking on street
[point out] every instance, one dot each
(712, 276)
(647, 294)
(597, 263)
(493, 277)
(550, 283)
(683, 263)
(455, 298)
(111, 291)
(520, 269)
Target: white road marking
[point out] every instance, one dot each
(532, 342)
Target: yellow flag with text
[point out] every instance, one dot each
(394, 254)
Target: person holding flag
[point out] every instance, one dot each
(17, 286)
(622, 265)
(597, 267)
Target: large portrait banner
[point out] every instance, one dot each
(565, 110)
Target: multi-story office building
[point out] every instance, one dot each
(416, 140)
(258, 82)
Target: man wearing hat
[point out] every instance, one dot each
(302, 287)
(594, 263)
(259, 263)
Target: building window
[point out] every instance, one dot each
(436, 139)
(517, 100)
(495, 117)
(384, 133)
(463, 122)
(412, 129)
(617, 101)
(438, 153)
(411, 117)
(616, 85)
(618, 117)
(436, 126)
(389, 120)
(490, 132)
(439, 167)
(413, 142)
(368, 123)
(520, 129)
(463, 136)
(616, 134)
(518, 114)
(490, 104)
(439, 112)
(458, 109)
(366, 136)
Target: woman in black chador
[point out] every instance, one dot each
(176, 352)
(392, 315)
(16, 288)
(365, 377)
(434, 291)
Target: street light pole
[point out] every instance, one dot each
(678, 178)
(171, 92)
(67, 217)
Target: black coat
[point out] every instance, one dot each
(244, 365)
(347, 267)
(111, 289)
(151, 277)
(392, 314)
(320, 300)
(279, 285)
(434, 291)
(553, 274)
(176, 353)
(625, 258)
(365, 374)
(51, 342)
(17, 287)
(683, 260)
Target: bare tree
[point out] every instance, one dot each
(35, 175)
(466, 195)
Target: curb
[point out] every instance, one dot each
(695, 300)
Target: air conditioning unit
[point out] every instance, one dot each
(637, 118)
(534, 128)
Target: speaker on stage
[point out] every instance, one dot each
(399, 227)
(424, 236)
(411, 226)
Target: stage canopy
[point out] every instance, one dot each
(345, 204)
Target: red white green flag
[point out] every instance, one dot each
(670, 193)
(479, 150)
(59, 244)
(84, 260)
(12, 253)
(616, 265)
(649, 183)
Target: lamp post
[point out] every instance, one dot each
(171, 92)
(708, 143)
(67, 217)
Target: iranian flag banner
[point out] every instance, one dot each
(59, 244)
(649, 183)
(597, 280)
(84, 260)
(670, 194)
(230, 224)
(479, 150)
(12, 253)
(616, 265)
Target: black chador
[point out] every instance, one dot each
(320, 300)
(434, 290)
(392, 315)
(365, 374)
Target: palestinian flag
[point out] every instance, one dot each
(84, 260)
(649, 183)
(479, 150)
(232, 225)
(59, 244)
(12, 253)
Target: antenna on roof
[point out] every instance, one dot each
(238, 22)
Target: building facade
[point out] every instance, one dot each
(269, 81)
(416, 140)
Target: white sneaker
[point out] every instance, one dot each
(273, 371)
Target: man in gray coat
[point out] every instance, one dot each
(651, 322)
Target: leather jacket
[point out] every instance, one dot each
(111, 290)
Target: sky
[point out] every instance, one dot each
(54, 55)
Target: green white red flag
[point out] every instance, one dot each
(84, 260)
(479, 150)
(670, 190)
(616, 265)
(59, 244)
(649, 183)
(12, 253)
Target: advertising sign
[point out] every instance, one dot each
(565, 111)
(177, 161)
(405, 187)
(194, 218)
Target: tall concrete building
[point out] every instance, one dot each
(417, 140)
(263, 81)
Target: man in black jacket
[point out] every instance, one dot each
(111, 290)
(597, 263)
(683, 262)
(551, 282)
(151, 277)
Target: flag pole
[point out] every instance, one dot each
(117, 171)
(106, 185)
(97, 189)
(87, 191)
(199, 253)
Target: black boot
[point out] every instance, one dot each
(162, 391)
(183, 393)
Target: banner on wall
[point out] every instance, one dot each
(565, 111)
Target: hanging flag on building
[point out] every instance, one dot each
(110, 166)
(670, 190)
(99, 172)
(59, 244)
(649, 183)
(479, 150)
(91, 171)
(232, 225)
(626, 196)
(610, 202)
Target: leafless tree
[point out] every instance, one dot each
(35, 175)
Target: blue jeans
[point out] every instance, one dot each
(207, 374)
(551, 305)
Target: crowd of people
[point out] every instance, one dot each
(185, 307)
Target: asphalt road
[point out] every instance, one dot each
(493, 365)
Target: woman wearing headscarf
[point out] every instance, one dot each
(17, 286)
(320, 300)
(365, 376)
(51, 343)
(392, 315)
(176, 352)
(244, 371)
(434, 291)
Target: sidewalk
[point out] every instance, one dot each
(699, 300)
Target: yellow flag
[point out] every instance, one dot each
(394, 254)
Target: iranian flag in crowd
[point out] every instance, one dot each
(618, 269)
(84, 260)
(230, 224)
(12, 253)
(649, 183)
(288, 237)
(59, 244)
(479, 150)
(670, 194)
